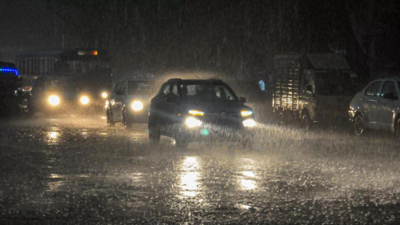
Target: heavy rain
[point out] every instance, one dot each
(199, 112)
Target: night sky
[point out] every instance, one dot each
(223, 36)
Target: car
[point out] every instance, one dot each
(194, 109)
(129, 102)
(377, 107)
(57, 94)
(11, 94)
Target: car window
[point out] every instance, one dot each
(138, 88)
(388, 87)
(223, 93)
(170, 90)
(373, 89)
(191, 91)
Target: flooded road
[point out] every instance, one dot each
(76, 170)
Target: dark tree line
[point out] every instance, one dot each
(236, 38)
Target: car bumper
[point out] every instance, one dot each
(210, 132)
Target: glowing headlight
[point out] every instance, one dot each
(104, 95)
(84, 100)
(249, 123)
(137, 105)
(246, 113)
(193, 122)
(54, 100)
(196, 113)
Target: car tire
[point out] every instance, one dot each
(306, 123)
(126, 121)
(359, 125)
(110, 121)
(154, 130)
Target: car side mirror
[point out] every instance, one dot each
(242, 99)
(390, 96)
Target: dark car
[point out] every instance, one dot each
(190, 110)
(11, 94)
(57, 95)
(129, 102)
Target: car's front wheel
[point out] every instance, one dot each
(359, 125)
(306, 122)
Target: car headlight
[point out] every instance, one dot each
(196, 113)
(54, 100)
(193, 122)
(104, 95)
(137, 105)
(246, 113)
(84, 100)
(249, 123)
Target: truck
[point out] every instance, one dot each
(312, 88)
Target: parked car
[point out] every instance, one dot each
(129, 102)
(190, 110)
(377, 107)
(57, 95)
(11, 95)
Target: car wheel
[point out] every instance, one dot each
(110, 121)
(154, 130)
(127, 121)
(359, 125)
(306, 122)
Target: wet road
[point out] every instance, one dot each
(79, 171)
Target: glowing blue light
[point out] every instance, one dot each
(10, 70)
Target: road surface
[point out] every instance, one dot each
(76, 170)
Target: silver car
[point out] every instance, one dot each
(377, 107)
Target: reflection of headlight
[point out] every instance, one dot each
(54, 100)
(193, 122)
(246, 113)
(137, 105)
(84, 100)
(196, 113)
(249, 123)
(104, 95)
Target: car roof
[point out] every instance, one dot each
(195, 80)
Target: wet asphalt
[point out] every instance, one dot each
(76, 170)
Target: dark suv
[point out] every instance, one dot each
(190, 110)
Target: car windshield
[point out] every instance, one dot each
(138, 88)
(61, 85)
(207, 92)
(332, 83)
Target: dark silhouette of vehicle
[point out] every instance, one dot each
(190, 110)
(312, 88)
(56, 94)
(11, 95)
(129, 102)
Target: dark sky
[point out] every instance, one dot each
(28, 24)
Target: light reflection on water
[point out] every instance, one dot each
(189, 179)
(53, 135)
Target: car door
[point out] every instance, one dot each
(119, 101)
(387, 106)
(166, 104)
(369, 102)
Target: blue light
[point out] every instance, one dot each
(11, 70)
